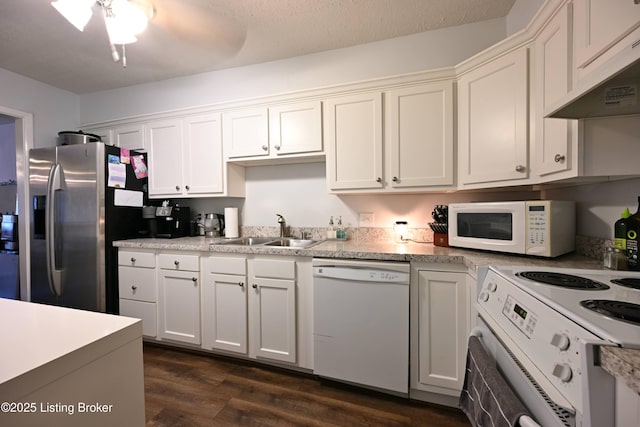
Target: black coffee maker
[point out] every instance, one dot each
(149, 217)
(172, 221)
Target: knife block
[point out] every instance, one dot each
(440, 239)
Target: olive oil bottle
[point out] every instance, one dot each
(633, 229)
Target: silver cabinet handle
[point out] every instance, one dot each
(265, 148)
(133, 288)
(133, 260)
(241, 284)
(559, 158)
(394, 179)
(177, 188)
(277, 147)
(194, 279)
(176, 263)
(520, 168)
(254, 286)
(378, 179)
(186, 187)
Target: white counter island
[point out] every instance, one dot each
(66, 367)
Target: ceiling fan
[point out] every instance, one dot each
(210, 28)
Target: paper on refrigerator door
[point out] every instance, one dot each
(117, 175)
(127, 198)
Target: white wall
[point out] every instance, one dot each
(53, 109)
(414, 53)
(521, 14)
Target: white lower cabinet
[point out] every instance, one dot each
(440, 320)
(137, 288)
(258, 306)
(179, 298)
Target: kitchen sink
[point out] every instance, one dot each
(271, 241)
(293, 243)
(249, 241)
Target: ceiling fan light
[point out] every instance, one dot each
(77, 13)
(129, 16)
(118, 33)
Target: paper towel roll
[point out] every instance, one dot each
(230, 223)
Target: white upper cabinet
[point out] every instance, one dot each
(295, 128)
(105, 134)
(599, 24)
(493, 122)
(419, 135)
(204, 163)
(130, 136)
(246, 133)
(165, 157)
(353, 141)
(291, 130)
(186, 159)
(556, 145)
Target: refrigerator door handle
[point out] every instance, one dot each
(53, 185)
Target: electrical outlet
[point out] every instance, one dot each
(366, 219)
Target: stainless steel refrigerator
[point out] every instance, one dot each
(75, 218)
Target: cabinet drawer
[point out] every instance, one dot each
(179, 262)
(276, 269)
(146, 311)
(223, 265)
(137, 259)
(137, 283)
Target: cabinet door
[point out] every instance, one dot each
(274, 319)
(224, 313)
(105, 134)
(145, 311)
(419, 138)
(296, 128)
(493, 121)
(442, 328)
(203, 167)
(353, 137)
(179, 306)
(130, 136)
(165, 158)
(246, 133)
(599, 24)
(556, 139)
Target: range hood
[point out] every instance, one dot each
(611, 90)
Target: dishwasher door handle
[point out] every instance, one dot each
(362, 274)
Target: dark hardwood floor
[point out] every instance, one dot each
(189, 389)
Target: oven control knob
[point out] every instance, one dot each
(484, 296)
(563, 372)
(492, 286)
(561, 341)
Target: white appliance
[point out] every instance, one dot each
(544, 228)
(544, 327)
(361, 323)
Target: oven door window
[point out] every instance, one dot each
(486, 225)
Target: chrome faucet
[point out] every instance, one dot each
(283, 224)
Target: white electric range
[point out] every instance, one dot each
(550, 322)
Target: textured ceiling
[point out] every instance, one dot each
(193, 36)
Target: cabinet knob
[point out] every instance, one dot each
(177, 188)
(241, 284)
(560, 158)
(394, 179)
(186, 187)
(265, 148)
(133, 259)
(194, 279)
(378, 179)
(133, 288)
(277, 147)
(176, 263)
(254, 286)
(520, 168)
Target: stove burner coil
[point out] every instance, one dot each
(619, 310)
(563, 280)
(629, 282)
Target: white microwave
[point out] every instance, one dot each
(545, 228)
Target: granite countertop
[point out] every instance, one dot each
(622, 363)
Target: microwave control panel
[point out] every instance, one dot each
(537, 227)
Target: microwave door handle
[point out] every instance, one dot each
(54, 275)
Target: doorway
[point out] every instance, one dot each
(21, 124)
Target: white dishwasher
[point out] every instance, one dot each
(361, 322)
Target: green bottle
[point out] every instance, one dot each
(633, 229)
(620, 231)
